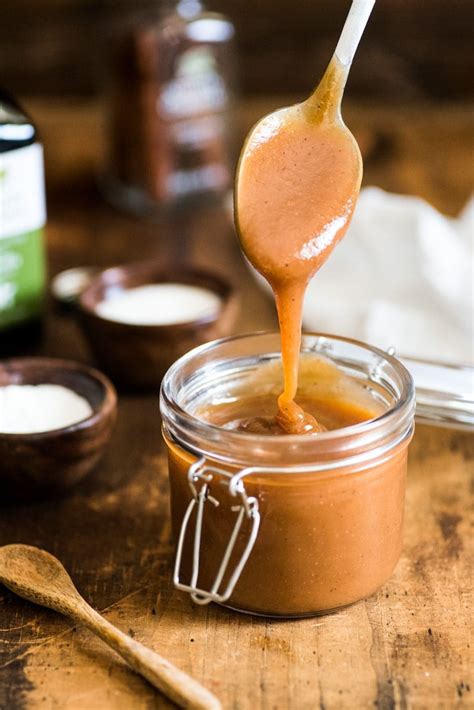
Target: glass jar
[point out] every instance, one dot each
(170, 109)
(292, 525)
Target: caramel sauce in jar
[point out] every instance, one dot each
(330, 505)
(324, 393)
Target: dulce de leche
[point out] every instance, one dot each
(330, 505)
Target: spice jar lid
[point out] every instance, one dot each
(68, 285)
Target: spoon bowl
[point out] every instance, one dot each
(286, 185)
(285, 157)
(38, 577)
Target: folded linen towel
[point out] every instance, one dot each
(402, 277)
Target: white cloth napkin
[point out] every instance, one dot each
(402, 277)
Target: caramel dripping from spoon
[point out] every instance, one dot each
(322, 107)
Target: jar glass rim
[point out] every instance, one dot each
(182, 424)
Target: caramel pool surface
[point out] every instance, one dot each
(333, 398)
(258, 415)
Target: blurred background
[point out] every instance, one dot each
(56, 59)
(412, 50)
(137, 114)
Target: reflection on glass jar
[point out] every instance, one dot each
(289, 525)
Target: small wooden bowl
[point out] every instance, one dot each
(139, 355)
(39, 464)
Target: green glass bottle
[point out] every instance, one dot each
(22, 219)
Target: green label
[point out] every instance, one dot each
(22, 277)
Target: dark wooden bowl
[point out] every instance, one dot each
(139, 355)
(39, 464)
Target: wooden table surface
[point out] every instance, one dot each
(407, 646)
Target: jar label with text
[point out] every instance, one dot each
(22, 217)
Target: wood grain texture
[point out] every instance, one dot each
(408, 646)
(39, 577)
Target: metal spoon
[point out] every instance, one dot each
(39, 577)
(322, 110)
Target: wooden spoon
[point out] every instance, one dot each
(39, 577)
(297, 184)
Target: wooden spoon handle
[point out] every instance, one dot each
(170, 680)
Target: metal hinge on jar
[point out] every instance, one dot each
(200, 475)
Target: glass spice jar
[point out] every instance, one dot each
(292, 525)
(170, 127)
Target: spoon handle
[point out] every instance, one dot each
(170, 680)
(354, 26)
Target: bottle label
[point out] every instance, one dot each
(193, 107)
(196, 88)
(22, 217)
